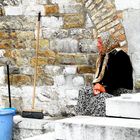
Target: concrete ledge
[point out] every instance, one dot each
(127, 105)
(98, 128)
(28, 127)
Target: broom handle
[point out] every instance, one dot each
(36, 61)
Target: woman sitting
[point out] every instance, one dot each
(112, 78)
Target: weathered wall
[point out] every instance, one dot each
(67, 52)
(131, 13)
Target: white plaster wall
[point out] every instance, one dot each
(131, 22)
(127, 4)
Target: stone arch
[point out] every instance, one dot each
(105, 17)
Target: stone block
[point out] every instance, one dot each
(127, 105)
(33, 10)
(78, 81)
(71, 59)
(10, 35)
(42, 61)
(69, 70)
(29, 2)
(88, 3)
(67, 45)
(26, 70)
(17, 23)
(19, 80)
(13, 10)
(92, 59)
(60, 80)
(72, 94)
(91, 6)
(53, 70)
(89, 128)
(105, 22)
(11, 3)
(25, 127)
(71, 8)
(118, 27)
(123, 43)
(16, 102)
(47, 53)
(62, 2)
(73, 21)
(47, 80)
(51, 9)
(122, 37)
(112, 24)
(110, 13)
(52, 22)
(76, 33)
(85, 69)
(42, 1)
(54, 33)
(88, 45)
(88, 22)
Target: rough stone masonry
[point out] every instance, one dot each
(67, 51)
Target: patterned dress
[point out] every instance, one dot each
(91, 105)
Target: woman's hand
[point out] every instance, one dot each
(98, 88)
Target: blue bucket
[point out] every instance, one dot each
(6, 123)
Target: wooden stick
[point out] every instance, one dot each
(36, 62)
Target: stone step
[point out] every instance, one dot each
(97, 128)
(29, 127)
(126, 105)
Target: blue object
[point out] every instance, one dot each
(6, 123)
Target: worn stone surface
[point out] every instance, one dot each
(51, 9)
(25, 127)
(50, 33)
(86, 127)
(88, 45)
(85, 69)
(52, 22)
(73, 20)
(79, 33)
(67, 45)
(17, 23)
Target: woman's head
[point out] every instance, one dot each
(100, 46)
(106, 42)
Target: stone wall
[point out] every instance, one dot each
(67, 51)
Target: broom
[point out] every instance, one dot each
(37, 114)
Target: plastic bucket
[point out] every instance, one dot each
(6, 123)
